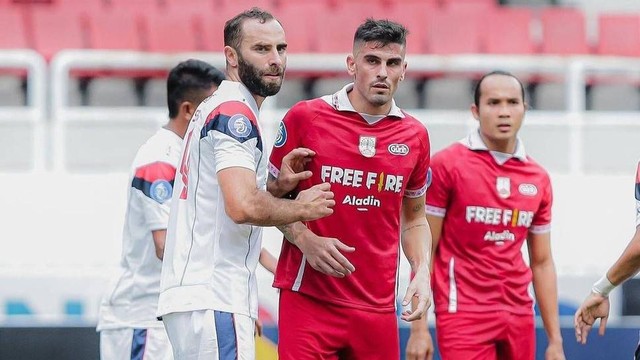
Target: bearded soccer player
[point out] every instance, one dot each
(127, 322)
(208, 297)
(487, 197)
(338, 274)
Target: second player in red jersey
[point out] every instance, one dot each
(488, 197)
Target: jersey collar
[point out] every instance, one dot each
(340, 101)
(244, 92)
(473, 141)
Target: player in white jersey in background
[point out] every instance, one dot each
(128, 325)
(208, 297)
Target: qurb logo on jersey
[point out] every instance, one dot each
(398, 149)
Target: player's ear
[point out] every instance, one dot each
(231, 56)
(351, 65)
(187, 108)
(474, 111)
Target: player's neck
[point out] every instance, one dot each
(174, 126)
(507, 146)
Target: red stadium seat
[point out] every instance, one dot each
(563, 31)
(619, 35)
(300, 30)
(13, 33)
(337, 26)
(137, 7)
(234, 7)
(508, 31)
(55, 29)
(453, 31)
(164, 33)
(114, 31)
(412, 14)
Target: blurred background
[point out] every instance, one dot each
(82, 86)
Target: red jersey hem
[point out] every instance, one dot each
(339, 302)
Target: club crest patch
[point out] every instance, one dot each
(367, 146)
(161, 191)
(281, 138)
(239, 125)
(503, 186)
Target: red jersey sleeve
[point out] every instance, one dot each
(542, 220)
(439, 190)
(287, 139)
(417, 184)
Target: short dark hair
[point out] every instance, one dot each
(233, 27)
(382, 31)
(476, 92)
(188, 81)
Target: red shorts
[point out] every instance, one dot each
(486, 336)
(312, 329)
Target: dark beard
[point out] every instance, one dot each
(251, 78)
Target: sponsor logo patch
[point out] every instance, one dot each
(281, 139)
(398, 149)
(527, 189)
(239, 125)
(161, 191)
(367, 146)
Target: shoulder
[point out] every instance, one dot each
(305, 110)
(450, 155)
(536, 167)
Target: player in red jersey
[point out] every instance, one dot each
(338, 276)
(596, 305)
(485, 199)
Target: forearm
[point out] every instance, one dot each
(416, 243)
(628, 264)
(263, 209)
(545, 286)
(419, 326)
(293, 231)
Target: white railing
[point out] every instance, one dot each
(574, 129)
(34, 112)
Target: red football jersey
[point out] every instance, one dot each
(490, 202)
(371, 167)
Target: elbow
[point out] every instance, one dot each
(240, 213)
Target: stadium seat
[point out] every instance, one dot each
(56, 29)
(135, 7)
(114, 31)
(338, 24)
(619, 34)
(300, 30)
(563, 31)
(412, 15)
(162, 32)
(453, 31)
(11, 91)
(508, 31)
(13, 33)
(237, 6)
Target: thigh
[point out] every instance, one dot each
(467, 336)
(116, 344)
(308, 329)
(158, 346)
(208, 334)
(373, 336)
(520, 340)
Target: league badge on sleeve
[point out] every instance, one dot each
(367, 146)
(281, 139)
(503, 185)
(239, 125)
(161, 191)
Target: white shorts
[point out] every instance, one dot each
(209, 334)
(135, 344)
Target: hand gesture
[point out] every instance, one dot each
(595, 306)
(292, 169)
(325, 254)
(318, 200)
(419, 287)
(419, 346)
